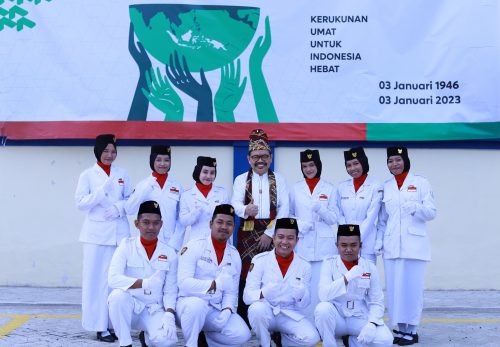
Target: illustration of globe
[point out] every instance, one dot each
(209, 37)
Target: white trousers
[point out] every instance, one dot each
(315, 272)
(95, 290)
(404, 283)
(123, 317)
(196, 315)
(331, 325)
(294, 333)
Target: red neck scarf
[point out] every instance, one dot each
(349, 264)
(312, 182)
(106, 168)
(149, 246)
(160, 178)
(358, 182)
(284, 263)
(401, 178)
(203, 188)
(219, 247)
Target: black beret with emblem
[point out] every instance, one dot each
(223, 209)
(286, 223)
(348, 230)
(359, 154)
(149, 206)
(155, 151)
(200, 163)
(101, 142)
(401, 151)
(311, 155)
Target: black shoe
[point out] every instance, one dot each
(107, 338)
(396, 338)
(126, 346)
(112, 332)
(406, 342)
(142, 339)
(345, 340)
(202, 340)
(276, 338)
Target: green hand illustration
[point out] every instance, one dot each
(262, 98)
(163, 96)
(230, 91)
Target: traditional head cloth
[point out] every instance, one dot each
(401, 151)
(101, 141)
(223, 209)
(258, 141)
(357, 153)
(155, 150)
(311, 155)
(286, 223)
(203, 161)
(149, 207)
(348, 230)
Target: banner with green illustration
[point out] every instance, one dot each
(304, 70)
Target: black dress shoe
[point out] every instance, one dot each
(202, 340)
(126, 346)
(107, 338)
(396, 338)
(276, 338)
(112, 332)
(407, 342)
(345, 340)
(142, 339)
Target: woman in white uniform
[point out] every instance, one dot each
(359, 199)
(102, 192)
(198, 203)
(161, 187)
(312, 203)
(408, 203)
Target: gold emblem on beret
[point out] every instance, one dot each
(215, 163)
(232, 210)
(183, 250)
(250, 268)
(400, 150)
(168, 150)
(114, 138)
(155, 204)
(351, 228)
(309, 156)
(354, 154)
(292, 221)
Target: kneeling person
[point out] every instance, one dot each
(143, 275)
(278, 289)
(208, 276)
(352, 301)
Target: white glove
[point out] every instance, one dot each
(154, 283)
(107, 187)
(354, 273)
(111, 213)
(367, 334)
(168, 325)
(305, 227)
(298, 291)
(409, 208)
(379, 247)
(224, 282)
(222, 318)
(270, 291)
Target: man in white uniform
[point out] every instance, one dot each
(161, 187)
(143, 275)
(209, 270)
(260, 196)
(277, 289)
(352, 299)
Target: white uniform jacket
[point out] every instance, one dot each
(260, 194)
(265, 269)
(90, 197)
(361, 208)
(130, 263)
(362, 297)
(168, 197)
(198, 268)
(191, 200)
(316, 235)
(405, 235)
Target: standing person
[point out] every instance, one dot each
(259, 197)
(312, 202)
(102, 191)
(278, 288)
(209, 269)
(198, 203)
(143, 275)
(359, 199)
(408, 204)
(161, 187)
(352, 301)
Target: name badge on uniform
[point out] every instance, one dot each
(206, 259)
(345, 198)
(412, 188)
(162, 263)
(174, 190)
(323, 197)
(121, 181)
(364, 281)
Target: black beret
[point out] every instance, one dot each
(286, 223)
(101, 141)
(223, 209)
(348, 230)
(149, 207)
(311, 155)
(155, 151)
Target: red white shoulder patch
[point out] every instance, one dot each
(174, 190)
(162, 257)
(412, 188)
(121, 181)
(323, 197)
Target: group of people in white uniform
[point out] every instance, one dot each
(292, 278)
